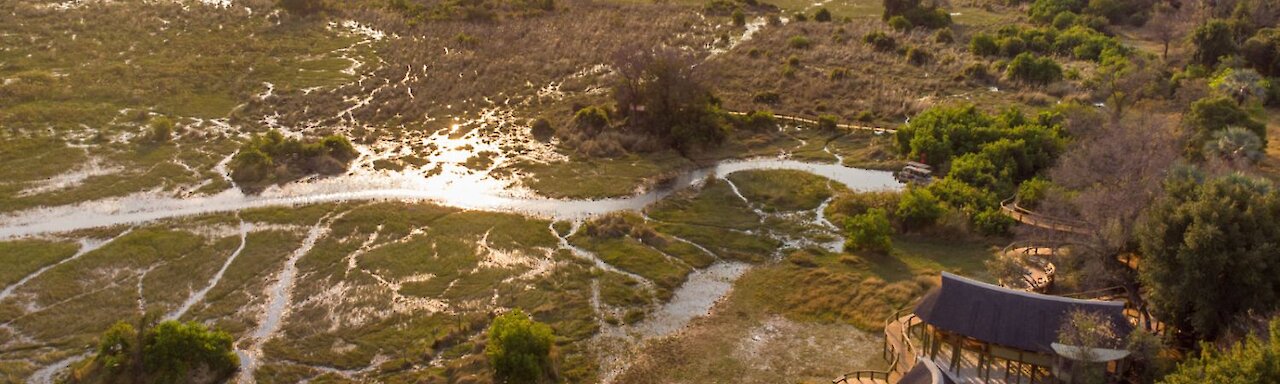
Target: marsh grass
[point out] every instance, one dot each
(714, 205)
(597, 178)
(784, 190)
(23, 257)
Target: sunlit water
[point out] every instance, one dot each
(467, 191)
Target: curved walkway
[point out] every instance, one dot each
(808, 121)
(1022, 215)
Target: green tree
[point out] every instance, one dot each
(1253, 361)
(1263, 51)
(1032, 69)
(1208, 251)
(160, 129)
(919, 208)
(169, 352)
(174, 351)
(519, 349)
(1089, 331)
(1212, 40)
(869, 231)
(1213, 114)
(1043, 11)
(1234, 144)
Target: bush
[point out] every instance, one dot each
(838, 74)
(823, 15)
(919, 209)
(170, 352)
(917, 56)
(799, 42)
(977, 72)
(591, 119)
(160, 129)
(1213, 114)
(766, 97)
(944, 36)
(1044, 11)
(828, 122)
(1064, 20)
(869, 232)
(992, 222)
(541, 129)
(519, 349)
(880, 41)
(1012, 46)
(800, 17)
(983, 45)
(739, 19)
(758, 121)
(1032, 69)
(1033, 191)
(900, 24)
(1262, 51)
(270, 158)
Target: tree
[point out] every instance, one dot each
(869, 232)
(1263, 51)
(1212, 40)
(919, 208)
(1244, 85)
(169, 352)
(1213, 114)
(1252, 361)
(983, 45)
(1089, 332)
(1234, 145)
(1208, 250)
(160, 129)
(519, 349)
(1168, 24)
(301, 7)
(659, 95)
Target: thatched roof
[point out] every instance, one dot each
(1007, 317)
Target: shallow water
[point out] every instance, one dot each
(694, 298)
(466, 191)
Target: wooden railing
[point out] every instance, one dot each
(1010, 207)
(808, 121)
(890, 352)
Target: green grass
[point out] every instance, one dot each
(784, 190)
(23, 257)
(632, 256)
(714, 205)
(598, 178)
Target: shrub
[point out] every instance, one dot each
(1032, 69)
(869, 232)
(1064, 20)
(880, 41)
(983, 45)
(160, 129)
(977, 72)
(799, 42)
(992, 222)
(519, 348)
(169, 352)
(1215, 114)
(918, 209)
(799, 17)
(917, 56)
(766, 97)
(592, 119)
(828, 122)
(838, 74)
(823, 15)
(944, 36)
(271, 158)
(900, 24)
(1012, 46)
(739, 19)
(1263, 51)
(1044, 11)
(1033, 191)
(541, 129)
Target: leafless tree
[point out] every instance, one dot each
(1168, 24)
(1111, 175)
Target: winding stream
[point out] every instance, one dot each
(476, 192)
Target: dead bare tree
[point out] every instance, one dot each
(1111, 175)
(1168, 24)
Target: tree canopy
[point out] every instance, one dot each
(1209, 249)
(1253, 361)
(169, 352)
(519, 349)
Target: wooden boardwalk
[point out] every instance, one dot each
(1010, 208)
(808, 121)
